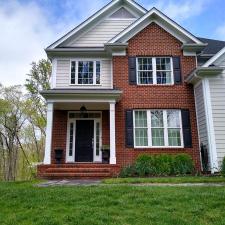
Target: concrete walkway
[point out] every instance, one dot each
(52, 183)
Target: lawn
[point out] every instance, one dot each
(173, 180)
(24, 204)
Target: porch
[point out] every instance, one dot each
(80, 134)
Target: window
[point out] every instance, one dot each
(157, 128)
(97, 138)
(71, 139)
(85, 72)
(154, 70)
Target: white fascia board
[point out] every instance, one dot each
(163, 17)
(134, 4)
(214, 58)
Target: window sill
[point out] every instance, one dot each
(155, 85)
(158, 147)
(85, 85)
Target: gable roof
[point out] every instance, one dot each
(213, 46)
(96, 17)
(152, 15)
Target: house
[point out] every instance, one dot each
(125, 82)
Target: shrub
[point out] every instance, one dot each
(159, 165)
(223, 167)
(128, 171)
(182, 164)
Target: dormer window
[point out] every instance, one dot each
(85, 72)
(154, 70)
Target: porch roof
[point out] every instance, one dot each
(76, 95)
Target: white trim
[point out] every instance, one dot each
(71, 159)
(80, 100)
(48, 140)
(214, 58)
(162, 16)
(210, 126)
(165, 128)
(112, 134)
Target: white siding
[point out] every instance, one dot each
(201, 115)
(217, 89)
(63, 75)
(101, 33)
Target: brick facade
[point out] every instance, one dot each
(153, 41)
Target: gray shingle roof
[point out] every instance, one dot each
(213, 46)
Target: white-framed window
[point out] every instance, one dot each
(154, 70)
(85, 72)
(158, 128)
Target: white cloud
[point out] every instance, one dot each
(27, 28)
(181, 10)
(220, 32)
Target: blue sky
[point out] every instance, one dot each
(28, 26)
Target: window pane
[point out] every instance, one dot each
(145, 64)
(140, 119)
(97, 139)
(157, 118)
(158, 137)
(85, 72)
(163, 64)
(145, 77)
(163, 77)
(71, 140)
(97, 72)
(173, 118)
(141, 136)
(174, 137)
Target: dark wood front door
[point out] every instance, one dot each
(84, 141)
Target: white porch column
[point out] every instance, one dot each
(112, 133)
(48, 140)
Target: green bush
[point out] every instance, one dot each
(223, 167)
(183, 164)
(159, 165)
(128, 171)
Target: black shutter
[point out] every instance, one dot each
(129, 128)
(177, 70)
(132, 70)
(186, 123)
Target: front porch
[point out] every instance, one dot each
(80, 135)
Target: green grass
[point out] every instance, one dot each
(24, 204)
(174, 180)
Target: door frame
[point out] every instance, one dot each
(96, 158)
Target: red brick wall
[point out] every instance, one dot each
(152, 41)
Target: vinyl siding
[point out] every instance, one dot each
(63, 75)
(101, 33)
(201, 115)
(217, 90)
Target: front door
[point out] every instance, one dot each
(84, 141)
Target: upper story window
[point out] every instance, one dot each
(154, 70)
(85, 72)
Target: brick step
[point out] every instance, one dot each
(80, 165)
(77, 170)
(76, 175)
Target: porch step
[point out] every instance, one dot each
(77, 175)
(78, 170)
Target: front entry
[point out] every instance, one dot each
(84, 144)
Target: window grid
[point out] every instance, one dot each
(97, 138)
(71, 136)
(161, 71)
(167, 129)
(85, 72)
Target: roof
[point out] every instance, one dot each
(213, 46)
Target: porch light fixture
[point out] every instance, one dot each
(83, 112)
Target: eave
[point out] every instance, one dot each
(201, 72)
(193, 47)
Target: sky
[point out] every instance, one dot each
(27, 27)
